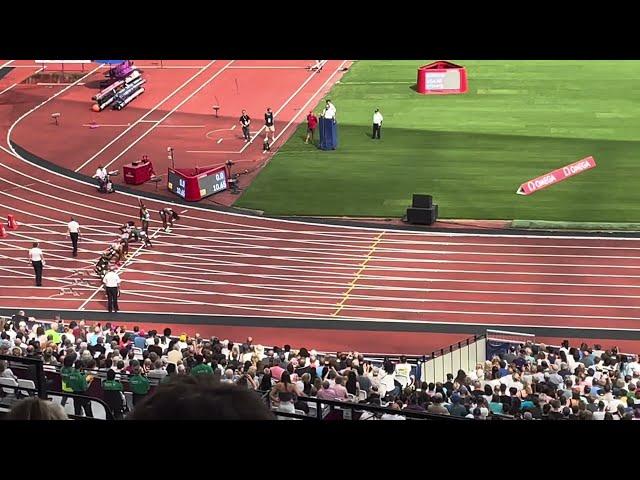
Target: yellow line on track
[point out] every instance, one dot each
(363, 266)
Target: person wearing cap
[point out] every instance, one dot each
(377, 124)
(182, 341)
(111, 281)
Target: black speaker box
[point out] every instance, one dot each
(422, 216)
(422, 201)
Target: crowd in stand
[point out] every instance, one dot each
(527, 382)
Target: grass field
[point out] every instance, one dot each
(520, 119)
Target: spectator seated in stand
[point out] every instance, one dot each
(527, 381)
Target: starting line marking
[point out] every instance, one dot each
(358, 273)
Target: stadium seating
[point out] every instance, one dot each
(522, 381)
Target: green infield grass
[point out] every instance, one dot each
(519, 120)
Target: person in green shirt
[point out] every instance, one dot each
(78, 382)
(111, 384)
(138, 384)
(112, 393)
(53, 331)
(65, 372)
(201, 368)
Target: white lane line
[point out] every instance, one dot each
(124, 132)
(336, 231)
(365, 320)
(8, 88)
(44, 102)
(304, 107)
(222, 152)
(158, 122)
(282, 107)
(119, 270)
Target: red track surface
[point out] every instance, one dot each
(176, 110)
(216, 264)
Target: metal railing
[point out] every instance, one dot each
(346, 411)
(463, 355)
(34, 368)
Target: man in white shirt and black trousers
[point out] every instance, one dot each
(73, 228)
(377, 124)
(37, 260)
(112, 283)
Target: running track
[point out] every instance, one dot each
(318, 285)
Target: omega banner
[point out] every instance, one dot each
(556, 176)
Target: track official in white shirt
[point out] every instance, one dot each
(37, 260)
(103, 176)
(377, 124)
(330, 111)
(112, 283)
(73, 228)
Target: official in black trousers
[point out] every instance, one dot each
(74, 232)
(377, 124)
(111, 282)
(245, 121)
(37, 260)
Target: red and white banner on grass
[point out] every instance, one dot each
(556, 176)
